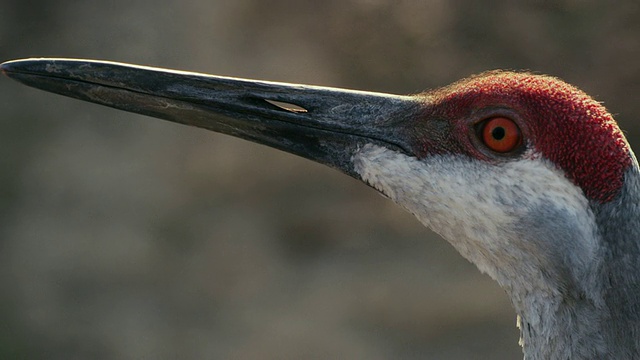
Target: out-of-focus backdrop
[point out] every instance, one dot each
(126, 237)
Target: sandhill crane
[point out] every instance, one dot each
(526, 176)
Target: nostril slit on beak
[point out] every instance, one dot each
(287, 106)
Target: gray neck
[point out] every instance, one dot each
(569, 265)
(596, 315)
(564, 328)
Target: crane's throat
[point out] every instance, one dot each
(492, 213)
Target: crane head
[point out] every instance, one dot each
(513, 169)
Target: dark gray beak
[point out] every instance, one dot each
(323, 124)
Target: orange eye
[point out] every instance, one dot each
(501, 134)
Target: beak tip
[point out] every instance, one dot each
(5, 67)
(8, 68)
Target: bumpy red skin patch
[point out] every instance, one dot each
(562, 123)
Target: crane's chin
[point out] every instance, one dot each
(488, 211)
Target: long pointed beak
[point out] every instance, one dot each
(323, 124)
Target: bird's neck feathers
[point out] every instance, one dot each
(619, 225)
(534, 231)
(599, 318)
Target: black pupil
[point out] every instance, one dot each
(498, 133)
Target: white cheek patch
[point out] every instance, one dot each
(477, 205)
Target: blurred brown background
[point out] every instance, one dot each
(125, 237)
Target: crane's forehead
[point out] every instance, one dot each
(564, 124)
